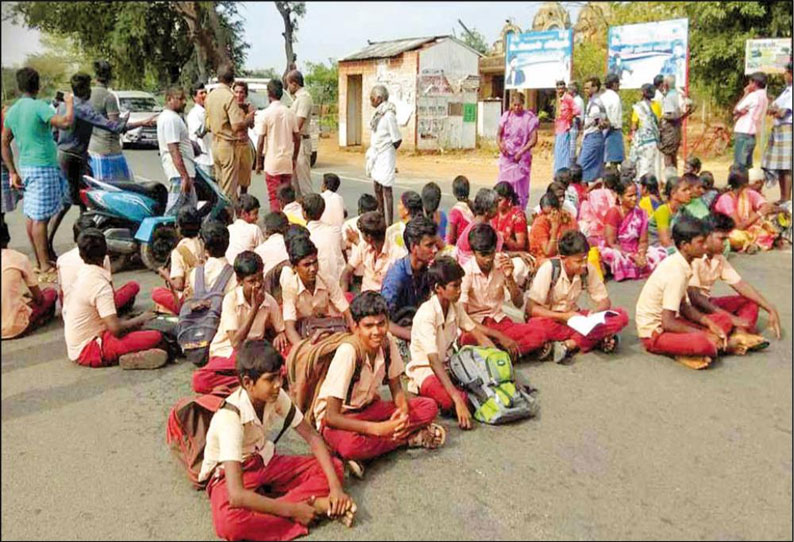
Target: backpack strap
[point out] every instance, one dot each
(556, 269)
(229, 406)
(188, 256)
(220, 283)
(357, 372)
(200, 288)
(287, 421)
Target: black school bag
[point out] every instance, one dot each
(200, 315)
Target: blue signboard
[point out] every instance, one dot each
(538, 59)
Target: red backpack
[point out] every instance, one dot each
(188, 423)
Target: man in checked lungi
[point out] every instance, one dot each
(777, 157)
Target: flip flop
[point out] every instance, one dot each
(694, 362)
(614, 340)
(356, 468)
(431, 437)
(545, 352)
(561, 352)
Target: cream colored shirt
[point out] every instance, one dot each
(237, 437)
(69, 265)
(433, 332)
(302, 107)
(374, 265)
(482, 295)
(334, 214)
(294, 213)
(278, 124)
(706, 271)
(212, 270)
(179, 267)
(234, 313)
(564, 296)
(243, 236)
(273, 251)
(298, 302)
(365, 390)
(90, 301)
(17, 278)
(664, 289)
(328, 240)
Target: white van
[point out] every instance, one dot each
(141, 106)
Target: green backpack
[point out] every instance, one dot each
(487, 375)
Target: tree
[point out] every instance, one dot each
(474, 39)
(290, 12)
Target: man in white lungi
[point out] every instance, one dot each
(381, 157)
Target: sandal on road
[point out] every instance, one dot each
(430, 437)
(694, 362)
(609, 344)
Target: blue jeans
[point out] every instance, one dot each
(743, 147)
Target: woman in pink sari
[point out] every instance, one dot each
(518, 133)
(625, 250)
(593, 210)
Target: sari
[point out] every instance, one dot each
(593, 211)
(460, 215)
(516, 131)
(513, 221)
(645, 144)
(629, 232)
(540, 233)
(761, 235)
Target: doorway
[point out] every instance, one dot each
(354, 106)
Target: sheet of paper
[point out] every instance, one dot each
(585, 324)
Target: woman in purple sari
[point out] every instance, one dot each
(518, 133)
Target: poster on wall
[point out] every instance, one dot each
(768, 56)
(639, 52)
(538, 59)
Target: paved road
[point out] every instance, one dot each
(626, 447)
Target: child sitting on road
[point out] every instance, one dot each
(334, 214)
(248, 313)
(710, 193)
(435, 328)
(256, 493)
(327, 238)
(576, 192)
(461, 213)
(373, 253)
(431, 200)
(290, 207)
(245, 233)
(351, 235)
(409, 206)
(350, 414)
(95, 336)
(69, 265)
(553, 301)
(649, 190)
(19, 314)
(215, 236)
(273, 250)
(306, 291)
(187, 254)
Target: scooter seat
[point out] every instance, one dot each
(156, 191)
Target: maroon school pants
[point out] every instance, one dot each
(351, 445)
(218, 371)
(292, 478)
(43, 312)
(106, 353)
(559, 331)
(530, 335)
(125, 296)
(164, 298)
(273, 182)
(740, 306)
(432, 388)
(695, 343)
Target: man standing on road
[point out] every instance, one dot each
(246, 164)
(748, 114)
(381, 157)
(566, 113)
(670, 127)
(197, 129)
(777, 157)
(613, 133)
(278, 126)
(225, 119)
(578, 120)
(302, 108)
(176, 153)
(31, 121)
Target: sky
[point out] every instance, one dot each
(335, 29)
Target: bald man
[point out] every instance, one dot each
(302, 108)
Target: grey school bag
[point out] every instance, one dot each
(199, 317)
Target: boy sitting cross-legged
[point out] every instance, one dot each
(274, 249)
(435, 328)
(551, 303)
(245, 233)
(374, 252)
(187, 254)
(240, 461)
(350, 414)
(215, 236)
(248, 313)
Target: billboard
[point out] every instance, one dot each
(538, 59)
(639, 52)
(768, 56)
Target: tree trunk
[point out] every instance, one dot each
(286, 14)
(209, 40)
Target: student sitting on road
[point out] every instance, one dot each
(350, 414)
(713, 266)
(409, 206)
(256, 493)
(248, 313)
(431, 200)
(461, 213)
(374, 253)
(435, 328)
(95, 336)
(351, 235)
(327, 238)
(245, 233)
(273, 250)
(19, 315)
(306, 291)
(290, 207)
(666, 321)
(215, 236)
(334, 214)
(69, 265)
(187, 254)
(552, 302)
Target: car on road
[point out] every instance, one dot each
(257, 96)
(140, 105)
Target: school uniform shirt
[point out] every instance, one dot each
(374, 264)
(237, 437)
(69, 265)
(234, 313)
(212, 270)
(334, 214)
(243, 236)
(298, 302)
(179, 267)
(351, 224)
(664, 289)
(279, 125)
(17, 278)
(563, 296)
(433, 332)
(482, 295)
(365, 390)
(273, 251)
(294, 212)
(91, 300)
(707, 270)
(328, 240)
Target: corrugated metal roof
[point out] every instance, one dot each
(388, 49)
